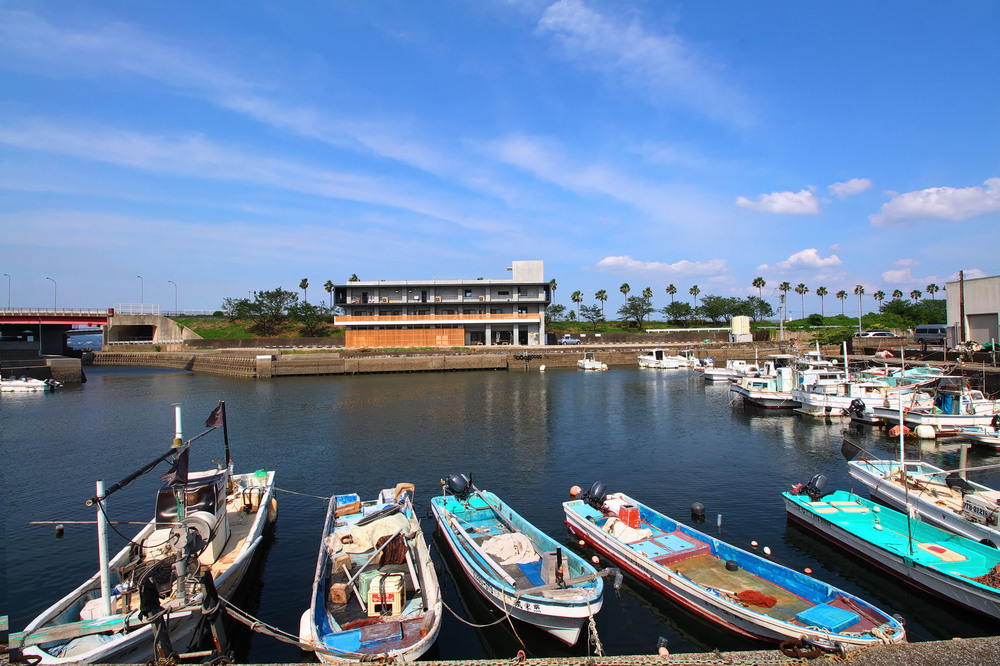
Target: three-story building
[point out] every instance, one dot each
(446, 313)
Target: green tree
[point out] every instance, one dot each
(694, 291)
(879, 296)
(821, 292)
(671, 290)
(915, 295)
(304, 286)
(802, 290)
(229, 308)
(310, 318)
(758, 308)
(625, 289)
(267, 312)
(859, 291)
(635, 310)
(896, 293)
(593, 314)
(719, 307)
(760, 283)
(601, 296)
(354, 278)
(784, 288)
(329, 290)
(842, 295)
(552, 286)
(933, 289)
(555, 312)
(576, 297)
(678, 311)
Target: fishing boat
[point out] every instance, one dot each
(939, 497)
(844, 397)
(960, 570)
(516, 567)
(147, 601)
(955, 405)
(657, 358)
(734, 369)
(28, 385)
(588, 362)
(733, 588)
(984, 435)
(375, 594)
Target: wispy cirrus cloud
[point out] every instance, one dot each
(626, 264)
(804, 259)
(803, 202)
(850, 187)
(940, 203)
(667, 68)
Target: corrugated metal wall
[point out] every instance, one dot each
(409, 337)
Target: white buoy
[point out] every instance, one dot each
(541, 368)
(718, 520)
(767, 551)
(753, 544)
(924, 431)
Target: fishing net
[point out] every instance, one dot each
(991, 577)
(756, 598)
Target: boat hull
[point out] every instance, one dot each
(952, 588)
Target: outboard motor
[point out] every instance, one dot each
(815, 487)
(596, 495)
(857, 408)
(459, 485)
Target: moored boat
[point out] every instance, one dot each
(984, 435)
(197, 548)
(953, 567)
(375, 593)
(657, 358)
(589, 362)
(955, 405)
(519, 569)
(733, 588)
(28, 385)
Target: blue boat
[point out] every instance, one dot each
(745, 593)
(519, 569)
(947, 565)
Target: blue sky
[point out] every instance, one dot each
(234, 146)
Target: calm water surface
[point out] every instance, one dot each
(665, 437)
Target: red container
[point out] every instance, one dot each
(629, 515)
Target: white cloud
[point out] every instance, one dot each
(969, 274)
(853, 186)
(665, 66)
(940, 203)
(802, 202)
(898, 276)
(626, 264)
(808, 258)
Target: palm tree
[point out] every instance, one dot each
(784, 288)
(601, 296)
(329, 290)
(354, 278)
(647, 293)
(916, 294)
(801, 289)
(859, 292)
(933, 289)
(671, 289)
(625, 289)
(821, 292)
(897, 294)
(878, 296)
(304, 286)
(577, 297)
(842, 295)
(760, 283)
(694, 291)
(552, 286)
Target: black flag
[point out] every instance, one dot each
(215, 418)
(849, 449)
(177, 475)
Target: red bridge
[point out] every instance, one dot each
(51, 316)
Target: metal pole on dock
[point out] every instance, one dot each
(102, 550)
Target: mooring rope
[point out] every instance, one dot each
(292, 492)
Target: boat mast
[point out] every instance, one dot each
(102, 550)
(904, 478)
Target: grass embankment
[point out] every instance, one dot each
(220, 328)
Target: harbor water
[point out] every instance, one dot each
(666, 437)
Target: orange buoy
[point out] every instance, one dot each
(574, 491)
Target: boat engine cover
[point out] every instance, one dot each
(459, 485)
(596, 495)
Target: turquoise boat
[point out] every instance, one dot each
(947, 565)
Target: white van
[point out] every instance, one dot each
(931, 334)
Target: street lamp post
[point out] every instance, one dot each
(55, 294)
(175, 295)
(8, 290)
(142, 295)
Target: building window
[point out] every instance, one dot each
(469, 311)
(447, 312)
(496, 311)
(505, 292)
(423, 312)
(522, 311)
(468, 293)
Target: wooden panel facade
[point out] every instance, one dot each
(406, 337)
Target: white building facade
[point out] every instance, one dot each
(981, 299)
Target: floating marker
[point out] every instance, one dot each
(767, 551)
(595, 559)
(582, 543)
(718, 521)
(808, 571)
(574, 491)
(753, 544)
(60, 530)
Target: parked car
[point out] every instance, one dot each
(935, 334)
(568, 339)
(877, 334)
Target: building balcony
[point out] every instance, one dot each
(423, 320)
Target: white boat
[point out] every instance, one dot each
(375, 594)
(657, 358)
(588, 362)
(28, 385)
(738, 590)
(210, 521)
(841, 397)
(734, 369)
(984, 435)
(960, 570)
(520, 570)
(955, 405)
(939, 497)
